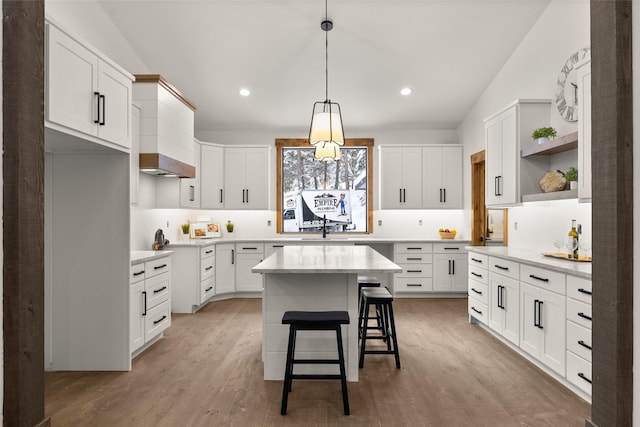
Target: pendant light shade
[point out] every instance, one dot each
(327, 151)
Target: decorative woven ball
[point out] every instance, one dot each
(553, 181)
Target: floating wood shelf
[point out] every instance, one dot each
(555, 195)
(557, 145)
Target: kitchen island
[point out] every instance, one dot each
(314, 278)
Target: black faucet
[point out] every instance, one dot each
(324, 227)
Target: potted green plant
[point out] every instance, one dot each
(572, 178)
(542, 135)
(185, 231)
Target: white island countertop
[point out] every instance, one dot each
(138, 257)
(327, 259)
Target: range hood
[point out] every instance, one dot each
(166, 142)
(160, 165)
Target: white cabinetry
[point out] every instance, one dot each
(579, 343)
(401, 177)
(150, 301)
(504, 298)
(247, 256)
(86, 94)
(195, 266)
(225, 268)
(583, 80)
(506, 134)
(416, 260)
(211, 176)
(190, 187)
(478, 287)
(442, 177)
(134, 159)
(246, 177)
(449, 267)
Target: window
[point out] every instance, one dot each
(311, 192)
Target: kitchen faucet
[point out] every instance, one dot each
(324, 227)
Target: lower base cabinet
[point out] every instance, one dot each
(504, 309)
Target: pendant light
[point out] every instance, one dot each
(325, 132)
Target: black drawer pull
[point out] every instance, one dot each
(584, 316)
(278, 246)
(476, 274)
(414, 249)
(158, 267)
(582, 343)
(501, 267)
(476, 291)
(155, 291)
(138, 273)
(414, 271)
(542, 279)
(584, 377)
(477, 311)
(584, 291)
(476, 260)
(246, 249)
(208, 289)
(208, 252)
(208, 268)
(414, 259)
(155, 322)
(451, 249)
(414, 284)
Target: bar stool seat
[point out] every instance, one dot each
(383, 300)
(314, 321)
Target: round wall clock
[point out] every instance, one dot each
(567, 90)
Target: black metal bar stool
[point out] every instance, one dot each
(382, 299)
(314, 321)
(368, 282)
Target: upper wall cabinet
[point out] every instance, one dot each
(211, 177)
(87, 95)
(246, 177)
(190, 187)
(506, 133)
(583, 77)
(421, 177)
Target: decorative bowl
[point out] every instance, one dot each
(444, 235)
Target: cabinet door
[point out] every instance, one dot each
(583, 75)
(509, 160)
(493, 160)
(190, 187)
(72, 79)
(391, 177)
(246, 280)
(529, 333)
(257, 178)
(442, 273)
(553, 318)
(234, 178)
(411, 177)
(211, 177)
(459, 273)
(511, 304)
(134, 157)
(115, 105)
(225, 268)
(136, 319)
(496, 312)
(452, 177)
(432, 172)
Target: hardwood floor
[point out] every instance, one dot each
(207, 371)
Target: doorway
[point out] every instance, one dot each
(488, 226)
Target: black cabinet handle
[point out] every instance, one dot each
(155, 322)
(208, 289)
(476, 260)
(500, 297)
(453, 266)
(495, 186)
(233, 256)
(192, 193)
(584, 316)
(414, 284)
(537, 313)
(414, 259)
(444, 199)
(246, 249)
(155, 291)
(278, 246)
(97, 120)
(449, 267)
(247, 195)
(138, 273)
(476, 291)
(104, 109)
(208, 252)
(414, 249)
(476, 310)
(585, 345)
(584, 291)
(584, 377)
(501, 267)
(414, 271)
(451, 249)
(208, 268)
(499, 185)
(144, 302)
(221, 195)
(404, 195)
(542, 279)
(476, 274)
(158, 267)
(540, 314)
(441, 195)
(400, 196)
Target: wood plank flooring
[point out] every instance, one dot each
(207, 371)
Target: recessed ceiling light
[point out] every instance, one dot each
(405, 91)
(245, 92)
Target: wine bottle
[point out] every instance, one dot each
(573, 236)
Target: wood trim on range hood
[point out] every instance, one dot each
(157, 78)
(161, 165)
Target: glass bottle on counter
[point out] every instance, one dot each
(572, 244)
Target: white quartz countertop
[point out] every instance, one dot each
(311, 240)
(327, 259)
(138, 257)
(535, 258)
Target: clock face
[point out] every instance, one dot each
(567, 90)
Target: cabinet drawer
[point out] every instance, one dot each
(250, 248)
(550, 280)
(579, 340)
(157, 320)
(478, 310)
(481, 261)
(136, 273)
(413, 248)
(504, 267)
(207, 251)
(579, 312)
(478, 274)
(207, 267)
(479, 291)
(158, 289)
(417, 284)
(579, 372)
(415, 270)
(417, 258)
(579, 288)
(157, 266)
(450, 248)
(207, 289)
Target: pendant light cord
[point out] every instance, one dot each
(326, 52)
